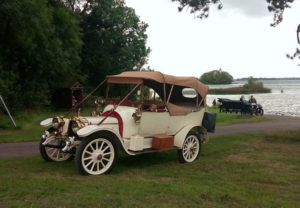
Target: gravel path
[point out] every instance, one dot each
(32, 148)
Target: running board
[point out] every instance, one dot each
(150, 150)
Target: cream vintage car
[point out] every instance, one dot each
(159, 112)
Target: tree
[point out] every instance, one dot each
(216, 77)
(44, 43)
(114, 41)
(253, 84)
(199, 7)
(202, 7)
(39, 49)
(278, 7)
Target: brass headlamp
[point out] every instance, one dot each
(57, 122)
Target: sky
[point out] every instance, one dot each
(238, 39)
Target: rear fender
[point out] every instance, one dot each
(181, 135)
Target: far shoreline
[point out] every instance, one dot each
(237, 91)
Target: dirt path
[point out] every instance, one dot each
(32, 148)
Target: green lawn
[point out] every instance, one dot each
(28, 128)
(235, 118)
(254, 170)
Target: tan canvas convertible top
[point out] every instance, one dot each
(164, 84)
(135, 77)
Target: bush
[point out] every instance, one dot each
(216, 77)
(253, 84)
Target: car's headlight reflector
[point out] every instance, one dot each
(57, 122)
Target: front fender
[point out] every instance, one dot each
(90, 129)
(46, 122)
(181, 135)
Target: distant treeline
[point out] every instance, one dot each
(45, 43)
(262, 78)
(237, 91)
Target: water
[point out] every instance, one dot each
(285, 103)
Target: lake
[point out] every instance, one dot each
(285, 103)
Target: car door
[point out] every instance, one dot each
(154, 123)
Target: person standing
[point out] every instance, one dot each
(252, 99)
(242, 98)
(214, 102)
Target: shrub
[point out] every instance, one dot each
(216, 77)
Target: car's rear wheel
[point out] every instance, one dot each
(51, 154)
(190, 149)
(96, 155)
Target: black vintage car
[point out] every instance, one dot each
(237, 106)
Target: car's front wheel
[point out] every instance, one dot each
(96, 155)
(191, 148)
(55, 154)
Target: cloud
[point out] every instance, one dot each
(251, 8)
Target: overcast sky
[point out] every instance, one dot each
(237, 39)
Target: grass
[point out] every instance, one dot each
(235, 118)
(283, 136)
(254, 170)
(28, 128)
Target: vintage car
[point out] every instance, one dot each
(240, 106)
(136, 123)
